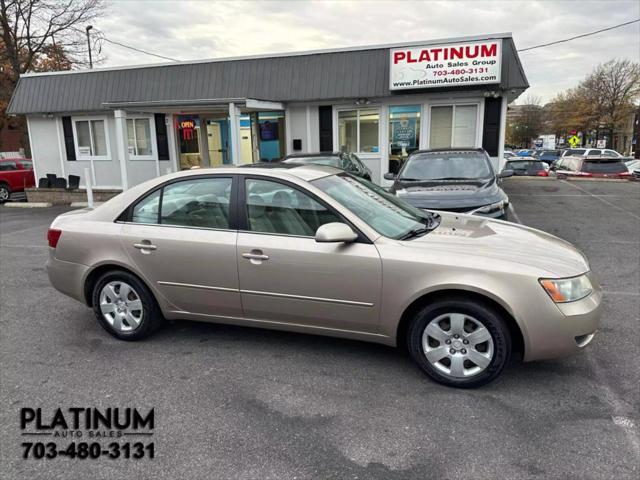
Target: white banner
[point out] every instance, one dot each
(450, 65)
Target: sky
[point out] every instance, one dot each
(195, 30)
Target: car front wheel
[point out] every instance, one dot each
(124, 306)
(459, 342)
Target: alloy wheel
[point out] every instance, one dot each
(121, 306)
(457, 345)
(4, 194)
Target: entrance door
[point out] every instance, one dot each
(214, 139)
(287, 277)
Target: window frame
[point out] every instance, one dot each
(357, 108)
(243, 221)
(90, 119)
(152, 139)
(127, 215)
(454, 104)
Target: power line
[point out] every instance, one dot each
(137, 49)
(579, 36)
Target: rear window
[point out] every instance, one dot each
(604, 167)
(575, 151)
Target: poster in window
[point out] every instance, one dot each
(404, 132)
(268, 131)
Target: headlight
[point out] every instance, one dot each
(562, 290)
(490, 208)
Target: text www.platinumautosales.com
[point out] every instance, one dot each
(445, 81)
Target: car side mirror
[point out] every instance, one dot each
(389, 176)
(335, 232)
(505, 174)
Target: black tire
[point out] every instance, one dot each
(151, 316)
(483, 314)
(505, 217)
(5, 192)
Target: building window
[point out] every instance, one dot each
(91, 139)
(358, 130)
(453, 126)
(139, 138)
(404, 134)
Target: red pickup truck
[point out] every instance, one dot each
(15, 175)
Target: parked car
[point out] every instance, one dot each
(598, 166)
(312, 249)
(530, 167)
(525, 152)
(548, 156)
(591, 152)
(456, 180)
(16, 174)
(508, 154)
(342, 160)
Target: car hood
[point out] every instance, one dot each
(461, 234)
(450, 194)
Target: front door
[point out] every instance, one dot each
(180, 239)
(287, 277)
(214, 140)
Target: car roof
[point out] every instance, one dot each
(448, 150)
(315, 154)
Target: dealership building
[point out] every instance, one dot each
(129, 124)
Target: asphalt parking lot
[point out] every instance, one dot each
(235, 402)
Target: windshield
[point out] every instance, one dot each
(446, 166)
(330, 161)
(385, 213)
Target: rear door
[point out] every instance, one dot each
(288, 277)
(182, 237)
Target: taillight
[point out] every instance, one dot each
(543, 173)
(53, 236)
(625, 174)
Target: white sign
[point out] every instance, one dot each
(450, 65)
(601, 144)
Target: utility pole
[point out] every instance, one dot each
(89, 27)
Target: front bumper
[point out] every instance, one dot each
(566, 332)
(66, 277)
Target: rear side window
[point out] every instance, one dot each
(517, 165)
(202, 203)
(604, 167)
(609, 154)
(197, 203)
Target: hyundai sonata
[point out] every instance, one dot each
(313, 249)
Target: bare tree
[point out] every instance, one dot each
(31, 28)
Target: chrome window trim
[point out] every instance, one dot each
(166, 225)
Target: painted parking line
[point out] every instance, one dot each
(514, 214)
(599, 197)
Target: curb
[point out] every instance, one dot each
(28, 205)
(84, 204)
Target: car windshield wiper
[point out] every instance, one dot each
(452, 178)
(408, 179)
(415, 232)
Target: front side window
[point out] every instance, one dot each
(404, 134)
(446, 166)
(139, 137)
(358, 130)
(383, 212)
(91, 139)
(201, 203)
(453, 126)
(610, 154)
(277, 208)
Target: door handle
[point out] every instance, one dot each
(255, 256)
(144, 246)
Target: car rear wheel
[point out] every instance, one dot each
(124, 306)
(459, 342)
(5, 192)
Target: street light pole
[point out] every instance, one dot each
(89, 27)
